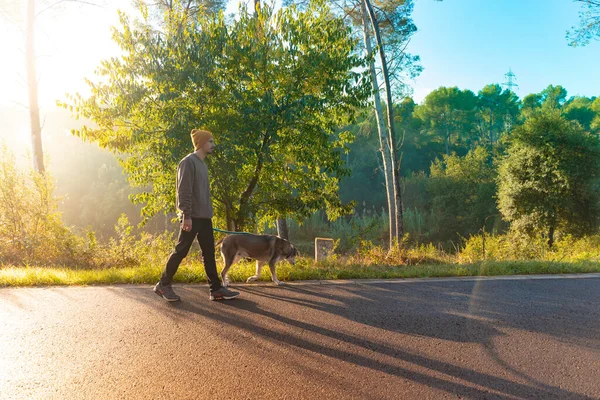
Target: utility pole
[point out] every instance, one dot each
(510, 78)
(509, 84)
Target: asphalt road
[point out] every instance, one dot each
(423, 339)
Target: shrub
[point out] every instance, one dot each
(516, 246)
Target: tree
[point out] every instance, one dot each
(396, 221)
(589, 24)
(273, 88)
(184, 7)
(448, 114)
(389, 23)
(553, 97)
(417, 152)
(497, 112)
(581, 109)
(577, 108)
(462, 192)
(383, 135)
(31, 14)
(595, 125)
(531, 104)
(32, 80)
(32, 89)
(548, 180)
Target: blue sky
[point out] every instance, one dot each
(464, 43)
(471, 43)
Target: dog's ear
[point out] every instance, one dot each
(292, 251)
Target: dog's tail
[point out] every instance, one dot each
(219, 242)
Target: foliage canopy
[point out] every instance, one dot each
(548, 180)
(273, 87)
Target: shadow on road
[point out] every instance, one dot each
(462, 312)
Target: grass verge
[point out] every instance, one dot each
(304, 270)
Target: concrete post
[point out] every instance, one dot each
(323, 248)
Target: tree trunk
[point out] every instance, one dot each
(242, 213)
(282, 229)
(32, 86)
(390, 123)
(551, 236)
(228, 216)
(383, 140)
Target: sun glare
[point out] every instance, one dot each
(70, 41)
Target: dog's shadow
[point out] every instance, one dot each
(247, 316)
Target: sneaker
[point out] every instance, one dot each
(223, 294)
(166, 292)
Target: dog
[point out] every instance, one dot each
(262, 248)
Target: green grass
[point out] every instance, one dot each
(304, 270)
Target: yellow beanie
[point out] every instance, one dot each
(200, 137)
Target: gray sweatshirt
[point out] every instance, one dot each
(193, 188)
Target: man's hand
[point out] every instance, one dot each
(186, 225)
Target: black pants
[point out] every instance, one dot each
(201, 229)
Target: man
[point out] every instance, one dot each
(193, 201)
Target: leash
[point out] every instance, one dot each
(230, 232)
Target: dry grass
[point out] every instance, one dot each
(305, 269)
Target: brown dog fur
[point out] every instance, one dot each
(262, 248)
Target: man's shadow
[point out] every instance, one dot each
(370, 309)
